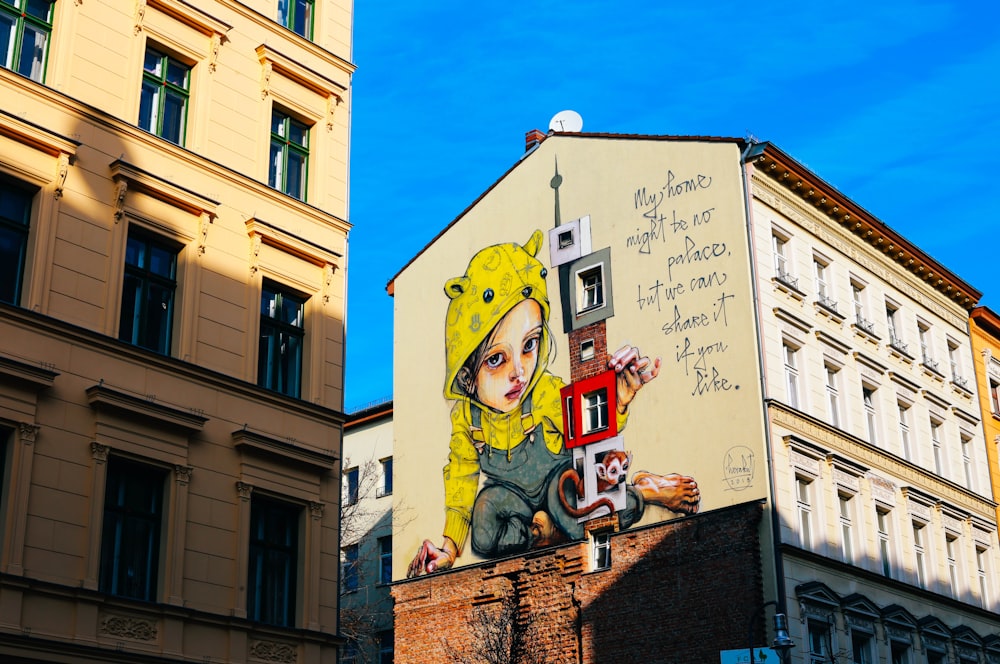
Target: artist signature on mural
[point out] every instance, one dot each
(738, 466)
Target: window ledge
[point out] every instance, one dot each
(244, 439)
(36, 377)
(829, 309)
(788, 286)
(101, 396)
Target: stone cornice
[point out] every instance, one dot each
(830, 203)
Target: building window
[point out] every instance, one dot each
(847, 527)
(386, 643)
(386, 488)
(791, 375)
(565, 239)
(936, 657)
(981, 567)
(803, 496)
(385, 559)
(350, 654)
(15, 212)
(780, 247)
(951, 550)
(936, 446)
(349, 568)
(274, 561)
(995, 396)
(822, 286)
(164, 100)
(819, 642)
(25, 27)
(926, 350)
(967, 462)
(289, 159)
(871, 414)
(602, 550)
(590, 289)
(595, 411)
(904, 430)
(919, 553)
(955, 360)
(148, 291)
(861, 647)
(353, 479)
(130, 536)
(860, 311)
(833, 394)
(297, 16)
(893, 324)
(899, 653)
(282, 332)
(883, 519)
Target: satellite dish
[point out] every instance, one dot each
(566, 121)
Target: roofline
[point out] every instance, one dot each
(377, 412)
(987, 319)
(740, 142)
(769, 160)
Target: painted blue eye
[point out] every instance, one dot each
(526, 291)
(544, 273)
(488, 295)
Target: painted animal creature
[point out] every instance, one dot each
(611, 471)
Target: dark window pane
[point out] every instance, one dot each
(148, 106)
(273, 562)
(148, 291)
(279, 359)
(130, 539)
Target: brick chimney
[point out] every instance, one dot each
(533, 138)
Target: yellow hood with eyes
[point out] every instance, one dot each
(497, 279)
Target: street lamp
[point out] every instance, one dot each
(783, 643)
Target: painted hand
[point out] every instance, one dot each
(633, 371)
(431, 559)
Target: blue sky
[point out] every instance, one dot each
(895, 103)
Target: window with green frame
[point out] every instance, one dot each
(164, 100)
(297, 16)
(288, 165)
(25, 28)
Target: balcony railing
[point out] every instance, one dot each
(931, 365)
(787, 279)
(896, 343)
(865, 325)
(829, 303)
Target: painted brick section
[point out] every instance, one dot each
(679, 591)
(580, 369)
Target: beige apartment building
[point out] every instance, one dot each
(173, 224)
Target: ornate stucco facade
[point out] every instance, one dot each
(173, 180)
(984, 324)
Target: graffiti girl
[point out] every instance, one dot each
(506, 420)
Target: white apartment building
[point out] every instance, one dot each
(887, 534)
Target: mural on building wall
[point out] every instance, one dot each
(531, 457)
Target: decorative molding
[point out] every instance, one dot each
(121, 188)
(129, 176)
(140, 15)
(182, 474)
(102, 397)
(28, 432)
(328, 271)
(274, 236)
(245, 440)
(316, 510)
(254, 254)
(62, 170)
(244, 490)
(128, 627)
(36, 377)
(99, 452)
(883, 490)
(274, 651)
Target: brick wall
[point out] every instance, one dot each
(582, 369)
(679, 591)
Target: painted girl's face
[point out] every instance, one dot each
(511, 358)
